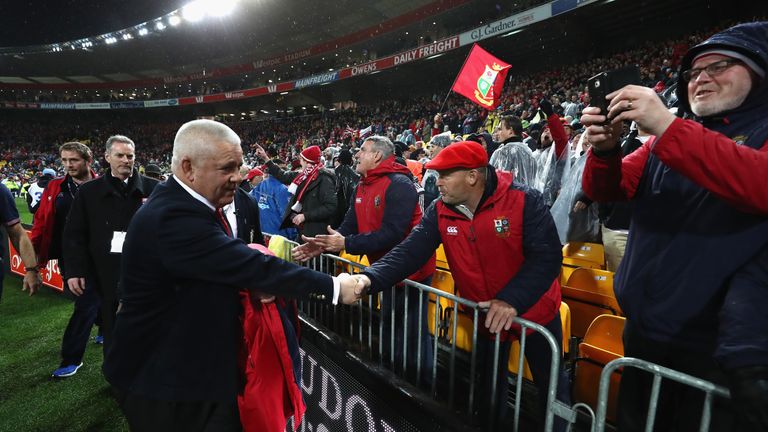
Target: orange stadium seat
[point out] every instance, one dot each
(589, 293)
(602, 344)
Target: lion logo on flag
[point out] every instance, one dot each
(484, 93)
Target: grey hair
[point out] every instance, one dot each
(382, 144)
(194, 139)
(118, 138)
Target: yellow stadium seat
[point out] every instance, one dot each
(589, 293)
(602, 344)
(590, 255)
(442, 280)
(440, 259)
(565, 273)
(565, 319)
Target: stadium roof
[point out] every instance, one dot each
(257, 29)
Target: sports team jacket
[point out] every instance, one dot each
(385, 210)
(45, 221)
(695, 272)
(508, 251)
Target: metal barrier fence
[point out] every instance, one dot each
(359, 323)
(364, 324)
(711, 390)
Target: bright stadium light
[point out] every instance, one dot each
(110, 40)
(193, 12)
(160, 25)
(143, 32)
(127, 36)
(174, 20)
(220, 8)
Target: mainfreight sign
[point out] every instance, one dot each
(317, 79)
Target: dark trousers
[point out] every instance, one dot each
(538, 354)
(680, 406)
(78, 331)
(109, 306)
(397, 303)
(149, 415)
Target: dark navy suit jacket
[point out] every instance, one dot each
(177, 335)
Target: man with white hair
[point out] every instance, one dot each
(174, 360)
(694, 280)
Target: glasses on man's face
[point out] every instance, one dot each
(712, 69)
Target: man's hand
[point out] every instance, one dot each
(500, 315)
(264, 297)
(352, 287)
(261, 153)
(642, 105)
(298, 219)
(308, 250)
(333, 242)
(579, 206)
(546, 107)
(76, 286)
(600, 135)
(32, 282)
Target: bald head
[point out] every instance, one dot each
(195, 140)
(207, 157)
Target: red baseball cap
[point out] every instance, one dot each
(463, 154)
(253, 173)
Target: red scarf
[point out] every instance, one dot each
(306, 176)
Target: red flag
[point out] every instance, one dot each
(482, 78)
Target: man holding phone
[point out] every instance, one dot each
(695, 275)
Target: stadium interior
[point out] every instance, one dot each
(288, 74)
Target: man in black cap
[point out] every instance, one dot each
(346, 182)
(154, 171)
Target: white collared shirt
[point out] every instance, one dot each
(202, 199)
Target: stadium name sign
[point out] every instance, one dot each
(287, 58)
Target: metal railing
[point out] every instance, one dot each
(659, 372)
(364, 324)
(358, 322)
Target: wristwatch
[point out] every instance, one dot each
(31, 269)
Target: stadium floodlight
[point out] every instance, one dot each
(219, 8)
(143, 31)
(174, 20)
(110, 40)
(127, 36)
(194, 11)
(159, 26)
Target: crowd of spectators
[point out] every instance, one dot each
(28, 147)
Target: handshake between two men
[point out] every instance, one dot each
(353, 287)
(499, 314)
